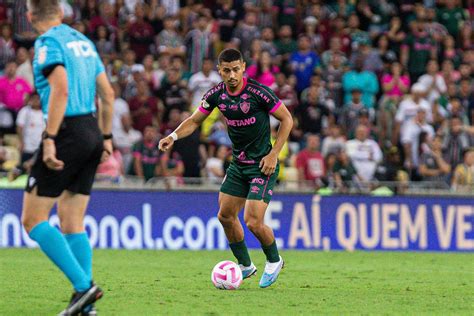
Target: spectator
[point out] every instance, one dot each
(226, 17)
(333, 51)
(371, 57)
(102, 41)
(345, 173)
(215, 165)
(29, 127)
(303, 63)
(169, 41)
(433, 167)
(333, 75)
(189, 149)
(7, 46)
(433, 82)
(198, 42)
(146, 155)
(145, 108)
(396, 35)
(172, 166)
(285, 43)
(124, 139)
(311, 30)
(339, 31)
(121, 109)
(450, 52)
(125, 73)
(131, 87)
(466, 97)
(13, 90)
(112, 168)
(285, 12)
(411, 141)
(351, 111)
(25, 69)
(314, 115)
(267, 42)
(395, 84)
(263, 71)
(286, 93)
(364, 81)
(335, 142)
(357, 35)
(455, 142)
(310, 162)
(202, 81)
(365, 154)
(463, 178)
(173, 93)
(390, 170)
(452, 17)
(408, 109)
(246, 32)
(417, 49)
(140, 33)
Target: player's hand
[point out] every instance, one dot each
(108, 149)
(49, 156)
(268, 164)
(165, 143)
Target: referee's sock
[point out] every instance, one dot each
(80, 247)
(54, 245)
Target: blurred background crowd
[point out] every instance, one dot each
(381, 90)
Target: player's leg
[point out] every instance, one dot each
(71, 210)
(35, 220)
(258, 198)
(231, 200)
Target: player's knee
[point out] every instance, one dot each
(253, 224)
(225, 219)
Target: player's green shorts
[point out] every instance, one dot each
(249, 182)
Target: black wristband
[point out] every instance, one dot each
(48, 136)
(107, 136)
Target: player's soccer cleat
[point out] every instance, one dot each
(80, 300)
(89, 311)
(247, 272)
(270, 275)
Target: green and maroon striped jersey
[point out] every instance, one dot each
(246, 113)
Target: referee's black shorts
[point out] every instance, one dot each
(79, 144)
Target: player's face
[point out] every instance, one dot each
(232, 73)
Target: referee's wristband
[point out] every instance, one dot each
(107, 136)
(174, 136)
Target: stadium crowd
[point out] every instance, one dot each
(380, 90)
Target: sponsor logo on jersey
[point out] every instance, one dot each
(42, 52)
(260, 94)
(244, 96)
(82, 49)
(245, 107)
(239, 123)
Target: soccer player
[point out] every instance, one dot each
(67, 70)
(246, 105)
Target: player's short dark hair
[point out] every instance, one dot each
(43, 9)
(229, 55)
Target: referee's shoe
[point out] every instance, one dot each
(79, 300)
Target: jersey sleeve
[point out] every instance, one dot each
(209, 101)
(49, 55)
(270, 102)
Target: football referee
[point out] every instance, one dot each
(67, 70)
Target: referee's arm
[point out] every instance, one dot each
(106, 95)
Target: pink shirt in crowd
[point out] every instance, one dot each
(112, 167)
(266, 78)
(395, 92)
(13, 93)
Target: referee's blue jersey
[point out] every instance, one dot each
(63, 45)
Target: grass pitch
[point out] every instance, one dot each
(312, 283)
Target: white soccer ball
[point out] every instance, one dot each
(226, 275)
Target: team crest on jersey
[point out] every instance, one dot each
(245, 107)
(204, 104)
(244, 96)
(42, 54)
